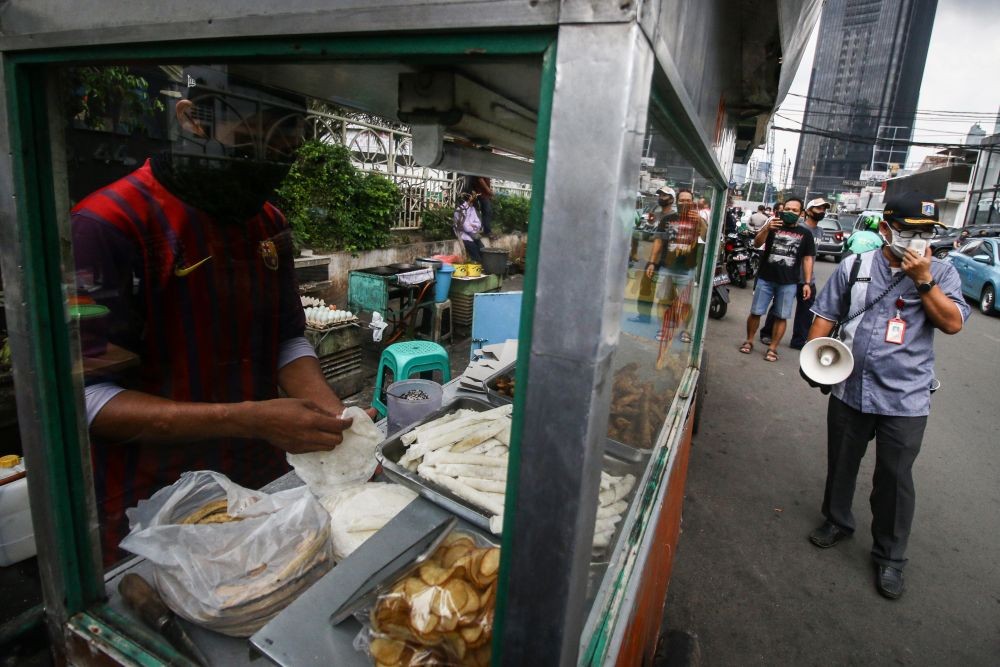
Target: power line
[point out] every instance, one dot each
(813, 98)
(916, 116)
(853, 139)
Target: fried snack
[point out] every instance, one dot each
(637, 409)
(442, 613)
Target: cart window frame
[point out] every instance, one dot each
(73, 581)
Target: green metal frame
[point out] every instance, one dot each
(51, 358)
(538, 176)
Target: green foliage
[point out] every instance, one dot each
(109, 98)
(331, 205)
(510, 213)
(436, 223)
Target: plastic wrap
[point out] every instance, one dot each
(440, 612)
(226, 557)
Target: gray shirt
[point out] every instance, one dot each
(888, 379)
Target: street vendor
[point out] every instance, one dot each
(197, 270)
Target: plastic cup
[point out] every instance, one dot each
(403, 412)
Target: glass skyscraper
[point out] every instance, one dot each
(865, 82)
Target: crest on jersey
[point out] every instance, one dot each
(269, 253)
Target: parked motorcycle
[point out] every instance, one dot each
(753, 264)
(720, 293)
(737, 259)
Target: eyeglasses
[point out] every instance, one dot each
(911, 234)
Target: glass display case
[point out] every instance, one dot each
(156, 163)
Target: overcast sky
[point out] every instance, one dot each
(962, 74)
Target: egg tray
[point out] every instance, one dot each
(333, 325)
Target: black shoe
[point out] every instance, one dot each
(889, 581)
(766, 340)
(827, 535)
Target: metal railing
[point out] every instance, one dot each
(388, 151)
(380, 149)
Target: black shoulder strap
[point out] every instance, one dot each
(855, 270)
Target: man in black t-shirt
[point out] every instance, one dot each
(789, 251)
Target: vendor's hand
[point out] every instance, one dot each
(918, 267)
(295, 425)
(650, 270)
(807, 291)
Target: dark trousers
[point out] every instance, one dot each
(473, 248)
(801, 323)
(897, 443)
(486, 215)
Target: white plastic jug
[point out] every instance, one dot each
(17, 538)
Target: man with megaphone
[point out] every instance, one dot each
(871, 347)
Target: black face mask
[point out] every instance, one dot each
(664, 202)
(819, 216)
(231, 191)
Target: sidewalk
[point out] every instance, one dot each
(748, 584)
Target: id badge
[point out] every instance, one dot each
(895, 331)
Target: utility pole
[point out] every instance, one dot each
(812, 175)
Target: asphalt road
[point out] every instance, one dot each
(754, 591)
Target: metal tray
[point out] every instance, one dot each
(390, 451)
(495, 396)
(619, 459)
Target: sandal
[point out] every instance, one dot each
(770, 355)
(685, 337)
(746, 348)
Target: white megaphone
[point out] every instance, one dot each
(826, 361)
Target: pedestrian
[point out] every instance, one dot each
(815, 211)
(483, 187)
(789, 251)
(673, 258)
(665, 199)
(196, 269)
(758, 219)
(468, 226)
(889, 303)
(963, 236)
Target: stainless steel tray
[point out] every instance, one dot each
(496, 397)
(390, 451)
(619, 459)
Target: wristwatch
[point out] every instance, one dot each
(924, 288)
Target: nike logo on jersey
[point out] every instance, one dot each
(181, 272)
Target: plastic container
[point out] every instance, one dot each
(17, 538)
(403, 412)
(443, 282)
(473, 270)
(494, 260)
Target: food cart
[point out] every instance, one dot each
(571, 96)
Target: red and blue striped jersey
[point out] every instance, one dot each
(205, 306)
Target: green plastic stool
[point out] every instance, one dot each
(406, 360)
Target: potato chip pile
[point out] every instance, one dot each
(442, 613)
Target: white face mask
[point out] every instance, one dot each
(899, 246)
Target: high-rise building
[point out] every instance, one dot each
(865, 82)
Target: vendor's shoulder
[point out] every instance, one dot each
(120, 201)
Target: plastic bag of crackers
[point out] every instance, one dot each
(440, 612)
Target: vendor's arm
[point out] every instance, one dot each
(293, 424)
(941, 308)
(302, 378)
